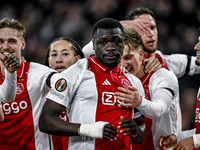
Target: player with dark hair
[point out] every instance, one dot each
(86, 89)
(61, 54)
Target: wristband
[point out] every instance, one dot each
(94, 130)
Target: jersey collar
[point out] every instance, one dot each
(102, 67)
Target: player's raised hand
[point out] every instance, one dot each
(11, 62)
(140, 25)
(130, 97)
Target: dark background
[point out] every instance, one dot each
(45, 20)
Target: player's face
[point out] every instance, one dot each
(197, 49)
(131, 59)
(61, 55)
(10, 42)
(108, 45)
(150, 41)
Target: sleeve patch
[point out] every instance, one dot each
(61, 85)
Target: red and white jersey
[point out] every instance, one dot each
(162, 115)
(19, 130)
(197, 123)
(89, 96)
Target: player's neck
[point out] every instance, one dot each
(148, 55)
(140, 73)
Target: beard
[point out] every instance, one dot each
(149, 50)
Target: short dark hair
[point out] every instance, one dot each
(75, 46)
(139, 11)
(107, 23)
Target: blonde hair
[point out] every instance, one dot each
(14, 24)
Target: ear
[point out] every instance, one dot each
(78, 57)
(23, 44)
(93, 44)
(141, 53)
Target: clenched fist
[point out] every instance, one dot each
(11, 63)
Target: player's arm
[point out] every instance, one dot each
(180, 64)
(152, 109)
(135, 128)
(8, 88)
(50, 123)
(1, 115)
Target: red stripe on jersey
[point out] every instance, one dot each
(148, 142)
(108, 108)
(61, 143)
(161, 61)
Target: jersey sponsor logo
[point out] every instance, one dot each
(125, 83)
(20, 88)
(13, 107)
(109, 98)
(106, 82)
(60, 96)
(197, 117)
(61, 85)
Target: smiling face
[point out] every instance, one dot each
(132, 60)
(108, 45)
(10, 42)
(61, 55)
(150, 41)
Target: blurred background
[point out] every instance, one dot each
(45, 20)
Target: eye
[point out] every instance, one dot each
(65, 54)
(116, 41)
(152, 27)
(53, 55)
(102, 42)
(12, 41)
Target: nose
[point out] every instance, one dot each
(197, 46)
(59, 59)
(150, 34)
(109, 46)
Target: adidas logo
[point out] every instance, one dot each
(106, 82)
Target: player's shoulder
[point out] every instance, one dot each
(164, 76)
(132, 78)
(76, 69)
(37, 65)
(37, 69)
(163, 72)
